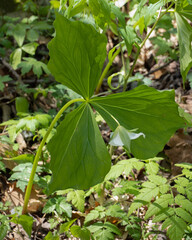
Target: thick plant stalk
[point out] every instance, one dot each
(39, 151)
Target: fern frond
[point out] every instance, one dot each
(160, 204)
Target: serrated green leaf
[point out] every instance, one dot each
(152, 167)
(185, 49)
(189, 191)
(164, 214)
(25, 221)
(143, 198)
(164, 188)
(112, 228)
(104, 231)
(31, 63)
(50, 236)
(103, 234)
(184, 165)
(115, 211)
(49, 206)
(130, 187)
(77, 198)
(98, 212)
(65, 226)
(101, 11)
(79, 158)
(184, 215)
(158, 205)
(176, 228)
(82, 66)
(148, 185)
(185, 203)
(158, 180)
(182, 181)
(21, 173)
(187, 173)
(142, 108)
(82, 233)
(129, 36)
(124, 166)
(63, 207)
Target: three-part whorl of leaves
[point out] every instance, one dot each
(79, 157)
(77, 54)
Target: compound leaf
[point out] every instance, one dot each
(79, 158)
(115, 211)
(184, 215)
(38, 66)
(75, 59)
(144, 109)
(152, 167)
(77, 197)
(158, 205)
(143, 198)
(185, 203)
(124, 166)
(63, 207)
(176, 228)
(164, 214)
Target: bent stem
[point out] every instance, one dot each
(39, 151)
(106, 70)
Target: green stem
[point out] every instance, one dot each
(173, 178)
(39, 151)
(131, 70)
(106, 70)
(139, 48)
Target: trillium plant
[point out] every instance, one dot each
(142, 120)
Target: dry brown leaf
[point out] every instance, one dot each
(16, 197)
(180, 150)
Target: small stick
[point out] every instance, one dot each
(9, 67)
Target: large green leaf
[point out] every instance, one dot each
(186, 12)
(77, 54)
(153, 112)
(185, 37)
(79, 158)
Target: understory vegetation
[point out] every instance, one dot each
(95, 132)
